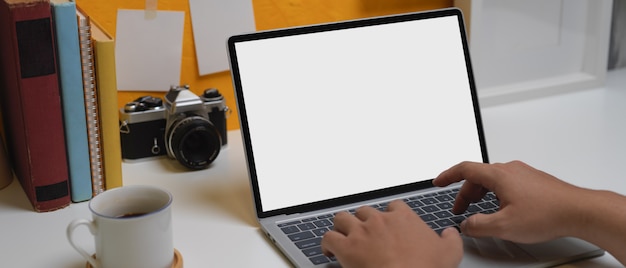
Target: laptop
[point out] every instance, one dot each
(341, 115)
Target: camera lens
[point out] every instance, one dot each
(194, 142)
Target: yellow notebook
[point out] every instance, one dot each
(106, 86)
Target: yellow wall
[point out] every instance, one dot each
(269, 14)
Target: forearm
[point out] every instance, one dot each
(601, 219)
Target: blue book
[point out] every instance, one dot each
(72, 98)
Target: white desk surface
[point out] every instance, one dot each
(579, 137)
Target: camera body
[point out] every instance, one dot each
(186, 127)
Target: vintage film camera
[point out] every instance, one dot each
(189, 128)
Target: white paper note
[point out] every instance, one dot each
(213, 21)
(148, 49)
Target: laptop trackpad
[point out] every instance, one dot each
(570, 247)
(493, 252)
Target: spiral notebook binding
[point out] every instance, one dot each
(91, 105)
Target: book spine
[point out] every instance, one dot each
(6, 173)
(31, 103)
(73, 99)
(106, 85)
(91, 106)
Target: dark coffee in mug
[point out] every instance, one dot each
(131, 215)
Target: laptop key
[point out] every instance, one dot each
(306, 226)
(319, 259)
(309, 243)
(309, 252)
(320, 232)
(430, 208)
(490, 196)
(301, 236)
(443, 214)
(323, 223)
(445, 223)
(414, 203)
(290, 229)
(458, 219)
(444, 198)
(429, 201)
(486, 205)
(309, 219)
(445, 205)
(419, 211)
(428, 217)
(473, 208)
(288, 223)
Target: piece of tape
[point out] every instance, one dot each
(151, 9)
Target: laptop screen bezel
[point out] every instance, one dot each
(245, 131)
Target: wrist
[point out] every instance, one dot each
(579, 213)
(596, 216)
(588, 216)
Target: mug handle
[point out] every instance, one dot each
(70, 238)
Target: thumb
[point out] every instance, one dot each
(451, 234)
(454, 242)
(480, 225)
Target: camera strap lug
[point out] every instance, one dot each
(155, 148)
(227, 112)
(124, 127)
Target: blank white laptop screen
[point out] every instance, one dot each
(348, 111)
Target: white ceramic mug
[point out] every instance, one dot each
(132, 227)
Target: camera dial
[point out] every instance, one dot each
(212, 94)
(144, 103)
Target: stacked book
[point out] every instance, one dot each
(58, 96)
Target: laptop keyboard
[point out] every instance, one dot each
(433, 208)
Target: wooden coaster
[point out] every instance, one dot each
(178, 260)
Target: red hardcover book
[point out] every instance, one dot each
(31, 102)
